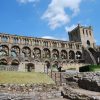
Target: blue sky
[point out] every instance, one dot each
(48, 18)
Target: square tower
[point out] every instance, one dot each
(82, 34)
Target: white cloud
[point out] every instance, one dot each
(48, 37)
(56, 14)
(69, 28)
(27, 1)
(54, 38)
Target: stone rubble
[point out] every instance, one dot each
(70, 90)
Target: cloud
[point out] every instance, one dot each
(56, 14)
(27, 1)
(48, 37)
(54, 38)
(69, 28)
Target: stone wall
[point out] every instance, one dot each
(29, 92)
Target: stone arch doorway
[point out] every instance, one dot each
(30, 67)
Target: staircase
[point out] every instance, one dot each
(89, 57)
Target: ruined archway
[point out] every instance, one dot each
(4, 50)
(71, 54)
(30, 67)
(55, 54)
(37, 53)
(3, 53)
(63, 54)
(55, 66)
(3, 62)
(15, 62)
(26, 52)
(46, 53)
(78, 55)
(15, 51)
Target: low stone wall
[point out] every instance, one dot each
(29, 92)
(8, 68)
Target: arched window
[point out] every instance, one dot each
(55, 54)
(3, 53)
(15, 51)
(15, 62)
(37, 53)
(71, 54)
(63, 54)
(46, 53)
(88, 43)
(26, 52)
(78, 55)
(4, 50)
(3, 62)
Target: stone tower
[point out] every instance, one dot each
(82, 34)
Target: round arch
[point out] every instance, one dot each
(3, 62)
(15, 62)
(30, 67)
(46, 53)
(63, 54)
(4, 49)
(55, 54)
(15, 51)
(3, 53)
(26, 51)
(37, 53)
(71, 54)
(78, 55)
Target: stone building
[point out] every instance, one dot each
(27, 53)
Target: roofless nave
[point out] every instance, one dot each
(28, 51)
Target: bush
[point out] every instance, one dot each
(89, 68)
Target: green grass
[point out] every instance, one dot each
(24, 78)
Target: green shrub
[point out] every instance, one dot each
(89, 68)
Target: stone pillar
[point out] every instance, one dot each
(10, 45)
(10, 39)
(68, 54)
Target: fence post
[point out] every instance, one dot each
(60, 78)
(51, 73)
(55, 78)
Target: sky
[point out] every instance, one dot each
(49, 18)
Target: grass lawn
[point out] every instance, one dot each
(24, 77)
(96, 69)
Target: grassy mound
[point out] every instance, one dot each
(24, 78)
(90, 68)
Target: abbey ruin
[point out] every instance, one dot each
(27, 53)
